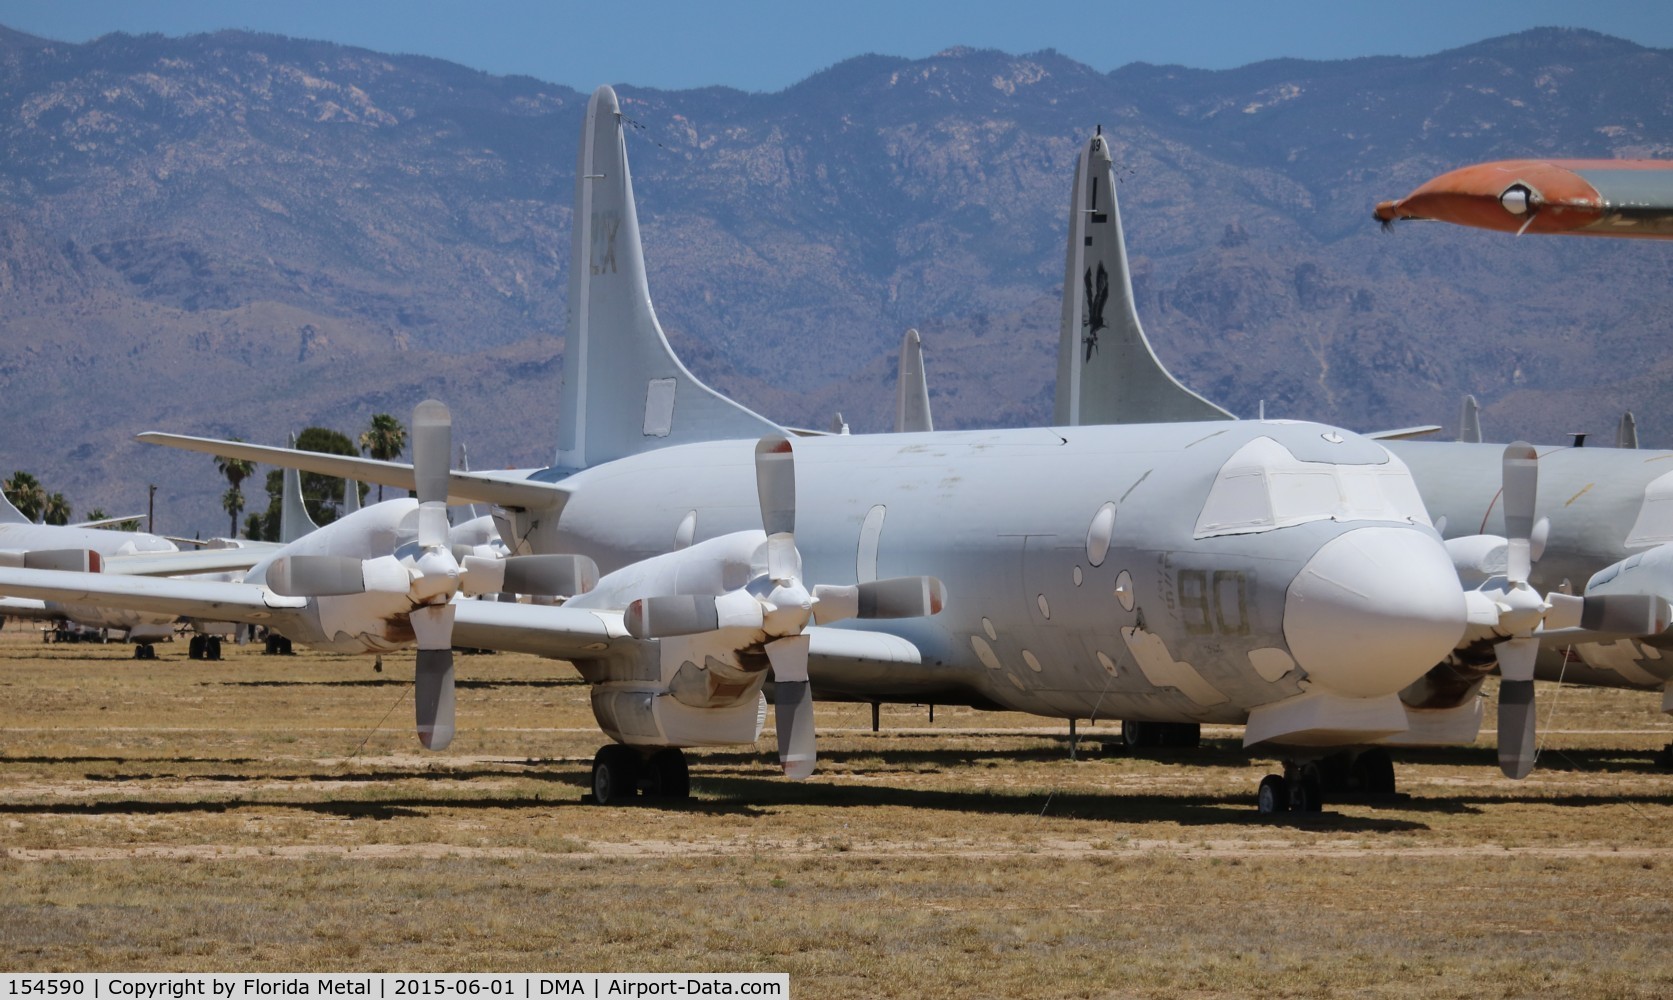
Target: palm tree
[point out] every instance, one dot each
(26, 493)
(232, 501)
(55, 509)
(384, 441)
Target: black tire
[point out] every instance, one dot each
(1159, 735)
(670, 778)
(1309, 791)
(1373, 772)
(1182, 735)
(1274, 796)
(212, 647)
(194, 648)
(615, 775)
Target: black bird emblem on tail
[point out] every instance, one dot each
(1096, 296)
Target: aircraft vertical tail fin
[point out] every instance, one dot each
(1106, 370)
(294, 521)
(624, 390)
(1626, 433)
(912, 391)
(9, 514)
(1469, 421)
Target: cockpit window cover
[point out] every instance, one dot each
(1264, 486)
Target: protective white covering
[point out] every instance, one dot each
(1263, 486)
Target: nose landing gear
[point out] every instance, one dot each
(1304, 785)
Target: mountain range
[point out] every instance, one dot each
(241, 235)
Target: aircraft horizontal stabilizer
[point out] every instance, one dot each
(462, 487)
(1403, 433)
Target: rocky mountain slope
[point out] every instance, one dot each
(239, 234)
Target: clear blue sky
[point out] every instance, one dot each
(766, 46)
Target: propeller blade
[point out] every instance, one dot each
(672, 615)
(433, 694)
(70, 560)
(432, 626)
(775, 485)
(316, 576)
(793, 706)
(432, 450)
(1516, 728)
(1517, 737)
(1625, 614)
(545, 575)
(1521, 489)
(899, 597)
(432, 455)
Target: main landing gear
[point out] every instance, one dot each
(204, 647)
(1304, 784)
(145, 651)
(621, 773)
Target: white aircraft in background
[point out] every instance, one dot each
(24, 543)
(1518, 520)
(1278, 574)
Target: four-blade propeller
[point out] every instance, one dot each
(430, 574)
(778, 606)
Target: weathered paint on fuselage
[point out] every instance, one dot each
(1003, 518)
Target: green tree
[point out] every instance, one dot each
(56, 509)
(384, 441)
(26, 494)
(323, 495)
(232, 501)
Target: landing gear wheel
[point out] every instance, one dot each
(615, 775)
(1308, 792)
(145, 651)
(1373, 772)
(1274, 795)
(1151, 735)
(212, 647)
(669, 776)
(194, 649)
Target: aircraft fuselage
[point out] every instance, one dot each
(1082, 582)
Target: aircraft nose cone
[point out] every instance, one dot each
(1373, 610)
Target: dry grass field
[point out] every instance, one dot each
(275, 813)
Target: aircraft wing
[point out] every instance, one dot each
(188, 598)
(183, 563)
(543, 630)
(463, 487)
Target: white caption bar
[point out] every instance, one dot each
(388, 985)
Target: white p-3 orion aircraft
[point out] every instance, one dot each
(1282, 575)
(1553, 519)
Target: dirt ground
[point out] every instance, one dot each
(276, 814)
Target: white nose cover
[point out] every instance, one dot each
(1373, 610)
